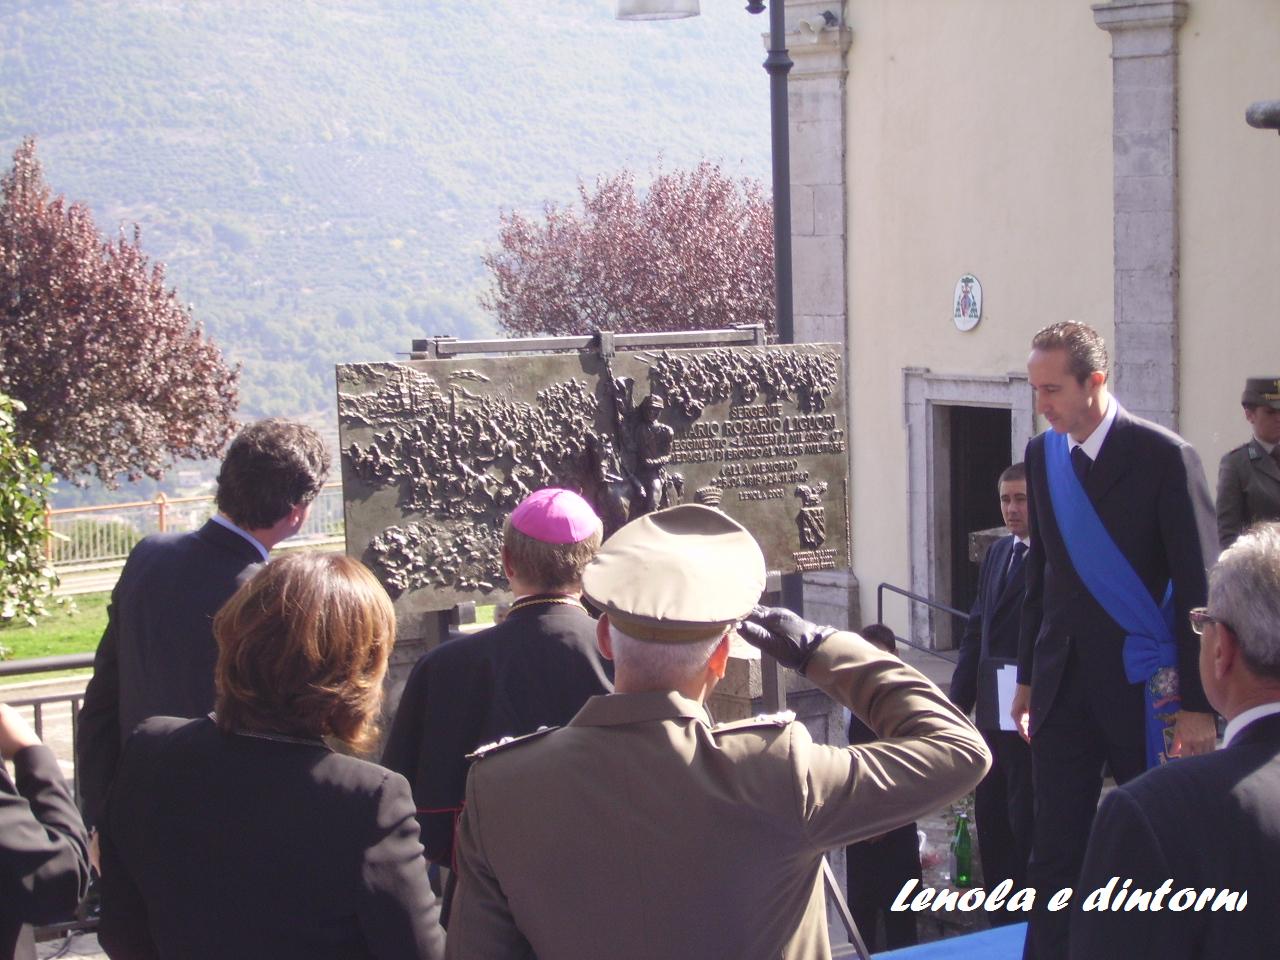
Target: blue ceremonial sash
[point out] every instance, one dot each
(1150, 652)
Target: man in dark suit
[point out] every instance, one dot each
(536, 668)
(157, 655)
(1210, 824)
(1249, 476)
(1093, 690)
(44, 853)
(1003, 800)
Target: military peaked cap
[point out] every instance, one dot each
(1262, 392)
(679, 575)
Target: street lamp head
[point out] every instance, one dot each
(656, 9)
(1265, 115)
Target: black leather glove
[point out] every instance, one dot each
(788, 638)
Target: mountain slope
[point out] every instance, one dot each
(322, 177)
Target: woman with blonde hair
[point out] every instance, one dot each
(246, 833)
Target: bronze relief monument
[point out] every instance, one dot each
(436, 454)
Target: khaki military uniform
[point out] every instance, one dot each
(642, 831)
(1248, 490)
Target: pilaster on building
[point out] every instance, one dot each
(816, 105)
(1144, 58)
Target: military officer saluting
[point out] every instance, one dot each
(1249, 476)
(642, 830)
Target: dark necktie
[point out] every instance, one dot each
(1275, 454)
(1081, 462)
(1015, 564)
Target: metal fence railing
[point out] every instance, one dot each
(54, 716)
(917, 598)
(83, 538)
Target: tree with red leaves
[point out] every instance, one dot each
(693, 252)
(114, 374)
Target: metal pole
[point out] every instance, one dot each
(778, 64)
(48, 533)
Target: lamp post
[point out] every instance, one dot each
(778, 64)
(1265, 115)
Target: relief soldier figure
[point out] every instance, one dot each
(604, 487)
(653, 453)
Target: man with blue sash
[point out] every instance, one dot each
(1122, 529)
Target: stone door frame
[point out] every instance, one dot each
(926, 395)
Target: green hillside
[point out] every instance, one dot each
(322, 177)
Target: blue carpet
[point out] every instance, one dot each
(1000, 943)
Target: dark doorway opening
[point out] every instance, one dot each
(979, 454)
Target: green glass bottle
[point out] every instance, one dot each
(962, 854)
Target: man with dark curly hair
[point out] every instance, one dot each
(157, 655)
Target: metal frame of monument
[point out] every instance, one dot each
(437, 449)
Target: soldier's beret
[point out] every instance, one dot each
(1262, 392)
(679, 575)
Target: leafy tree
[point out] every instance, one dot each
(26, 578)
(115, 375)
(694, 251)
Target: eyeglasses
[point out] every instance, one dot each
(1199, 616)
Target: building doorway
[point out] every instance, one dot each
(979, 454)
(962, 431)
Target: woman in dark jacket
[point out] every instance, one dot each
(245, 834)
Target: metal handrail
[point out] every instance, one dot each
(917, 598)
(69, 661)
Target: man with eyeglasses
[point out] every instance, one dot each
(1208, 824)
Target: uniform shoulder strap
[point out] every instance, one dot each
(763, 720)
(506, 743)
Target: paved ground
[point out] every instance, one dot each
(77, 945)
(99, 581)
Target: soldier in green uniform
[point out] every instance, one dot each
(641, 830)
(1249, 476)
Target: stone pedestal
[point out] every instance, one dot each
(980, 541)
(831, 598)
(404, 655)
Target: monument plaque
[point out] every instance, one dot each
(436, 454)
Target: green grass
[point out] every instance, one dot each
(78, 630)
(74, 629)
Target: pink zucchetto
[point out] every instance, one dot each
(553, 515)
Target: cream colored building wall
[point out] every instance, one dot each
(1230, 222)
(979, 140)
